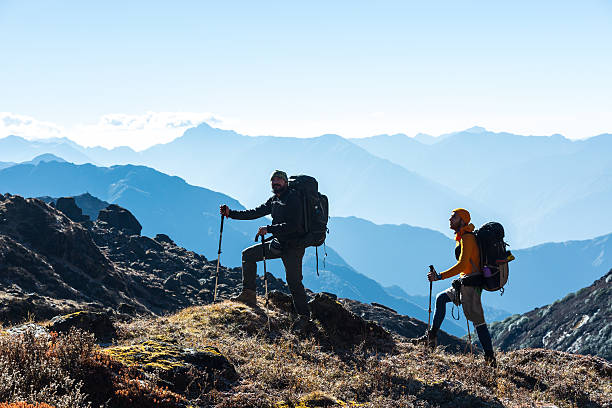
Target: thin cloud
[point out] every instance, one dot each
(111, 130)
(27, 127)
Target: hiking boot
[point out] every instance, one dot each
(490, 358)
(429, 339)
(301, 324)
(247, 297)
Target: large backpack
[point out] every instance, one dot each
(494, 256)
(316, 211)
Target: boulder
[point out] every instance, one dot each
(164, 238)
(187, 279)
(342, 324)
(281, 300)
(188, 370)
(97, 323)
(35, 329)
(120, 218)
(172, 283)
(68, 206)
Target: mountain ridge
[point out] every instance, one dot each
(580, 323)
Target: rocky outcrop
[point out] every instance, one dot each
(89, 205)
(342, 324)
(97, 323)
(50, 265)
(120, 218)
(188, 370)
(68, 206)
(350, 321)
(403, 325)
(579, 323)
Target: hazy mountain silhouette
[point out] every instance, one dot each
(46, 157)
(17, 149)
(356, 182)
(525, 182)
(391, 254)
(530, 180)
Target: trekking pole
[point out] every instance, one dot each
(218, 259)
(469, 336)
(431, 269)
(263, 249)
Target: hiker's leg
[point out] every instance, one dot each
(485, 337)
(292, 259)
(250, 257)
(441, 300)
(472, 305)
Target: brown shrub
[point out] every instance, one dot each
(69, 372)
(24, 405)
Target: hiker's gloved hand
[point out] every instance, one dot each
(433, 275)
(262, 231)
(224, 210)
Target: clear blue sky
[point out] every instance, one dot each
(356, 68)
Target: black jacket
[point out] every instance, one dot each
(287, 215)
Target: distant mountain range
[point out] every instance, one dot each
(356, 182)
(580, 323)
(526, 182)
(389, 254)
(532, 182)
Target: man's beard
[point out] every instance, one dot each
(277, 188)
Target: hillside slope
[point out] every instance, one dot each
(580, 323)
(224, 356)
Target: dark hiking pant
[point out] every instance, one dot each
(292, 259)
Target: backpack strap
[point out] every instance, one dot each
(317, 257)
(474, 269)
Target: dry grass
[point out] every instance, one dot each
(278, 369)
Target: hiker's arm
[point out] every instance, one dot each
(463, 264)
(258, 212)
(293, 218)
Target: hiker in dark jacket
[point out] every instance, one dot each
(287, 228)
(468, 263)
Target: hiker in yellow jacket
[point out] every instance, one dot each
(468, 263)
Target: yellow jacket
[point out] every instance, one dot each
(469, 257)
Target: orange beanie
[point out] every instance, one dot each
(464, 214)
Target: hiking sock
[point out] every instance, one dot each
(485, 337)
(441, 300)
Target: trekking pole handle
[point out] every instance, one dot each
(263, 249)
(221, 234)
